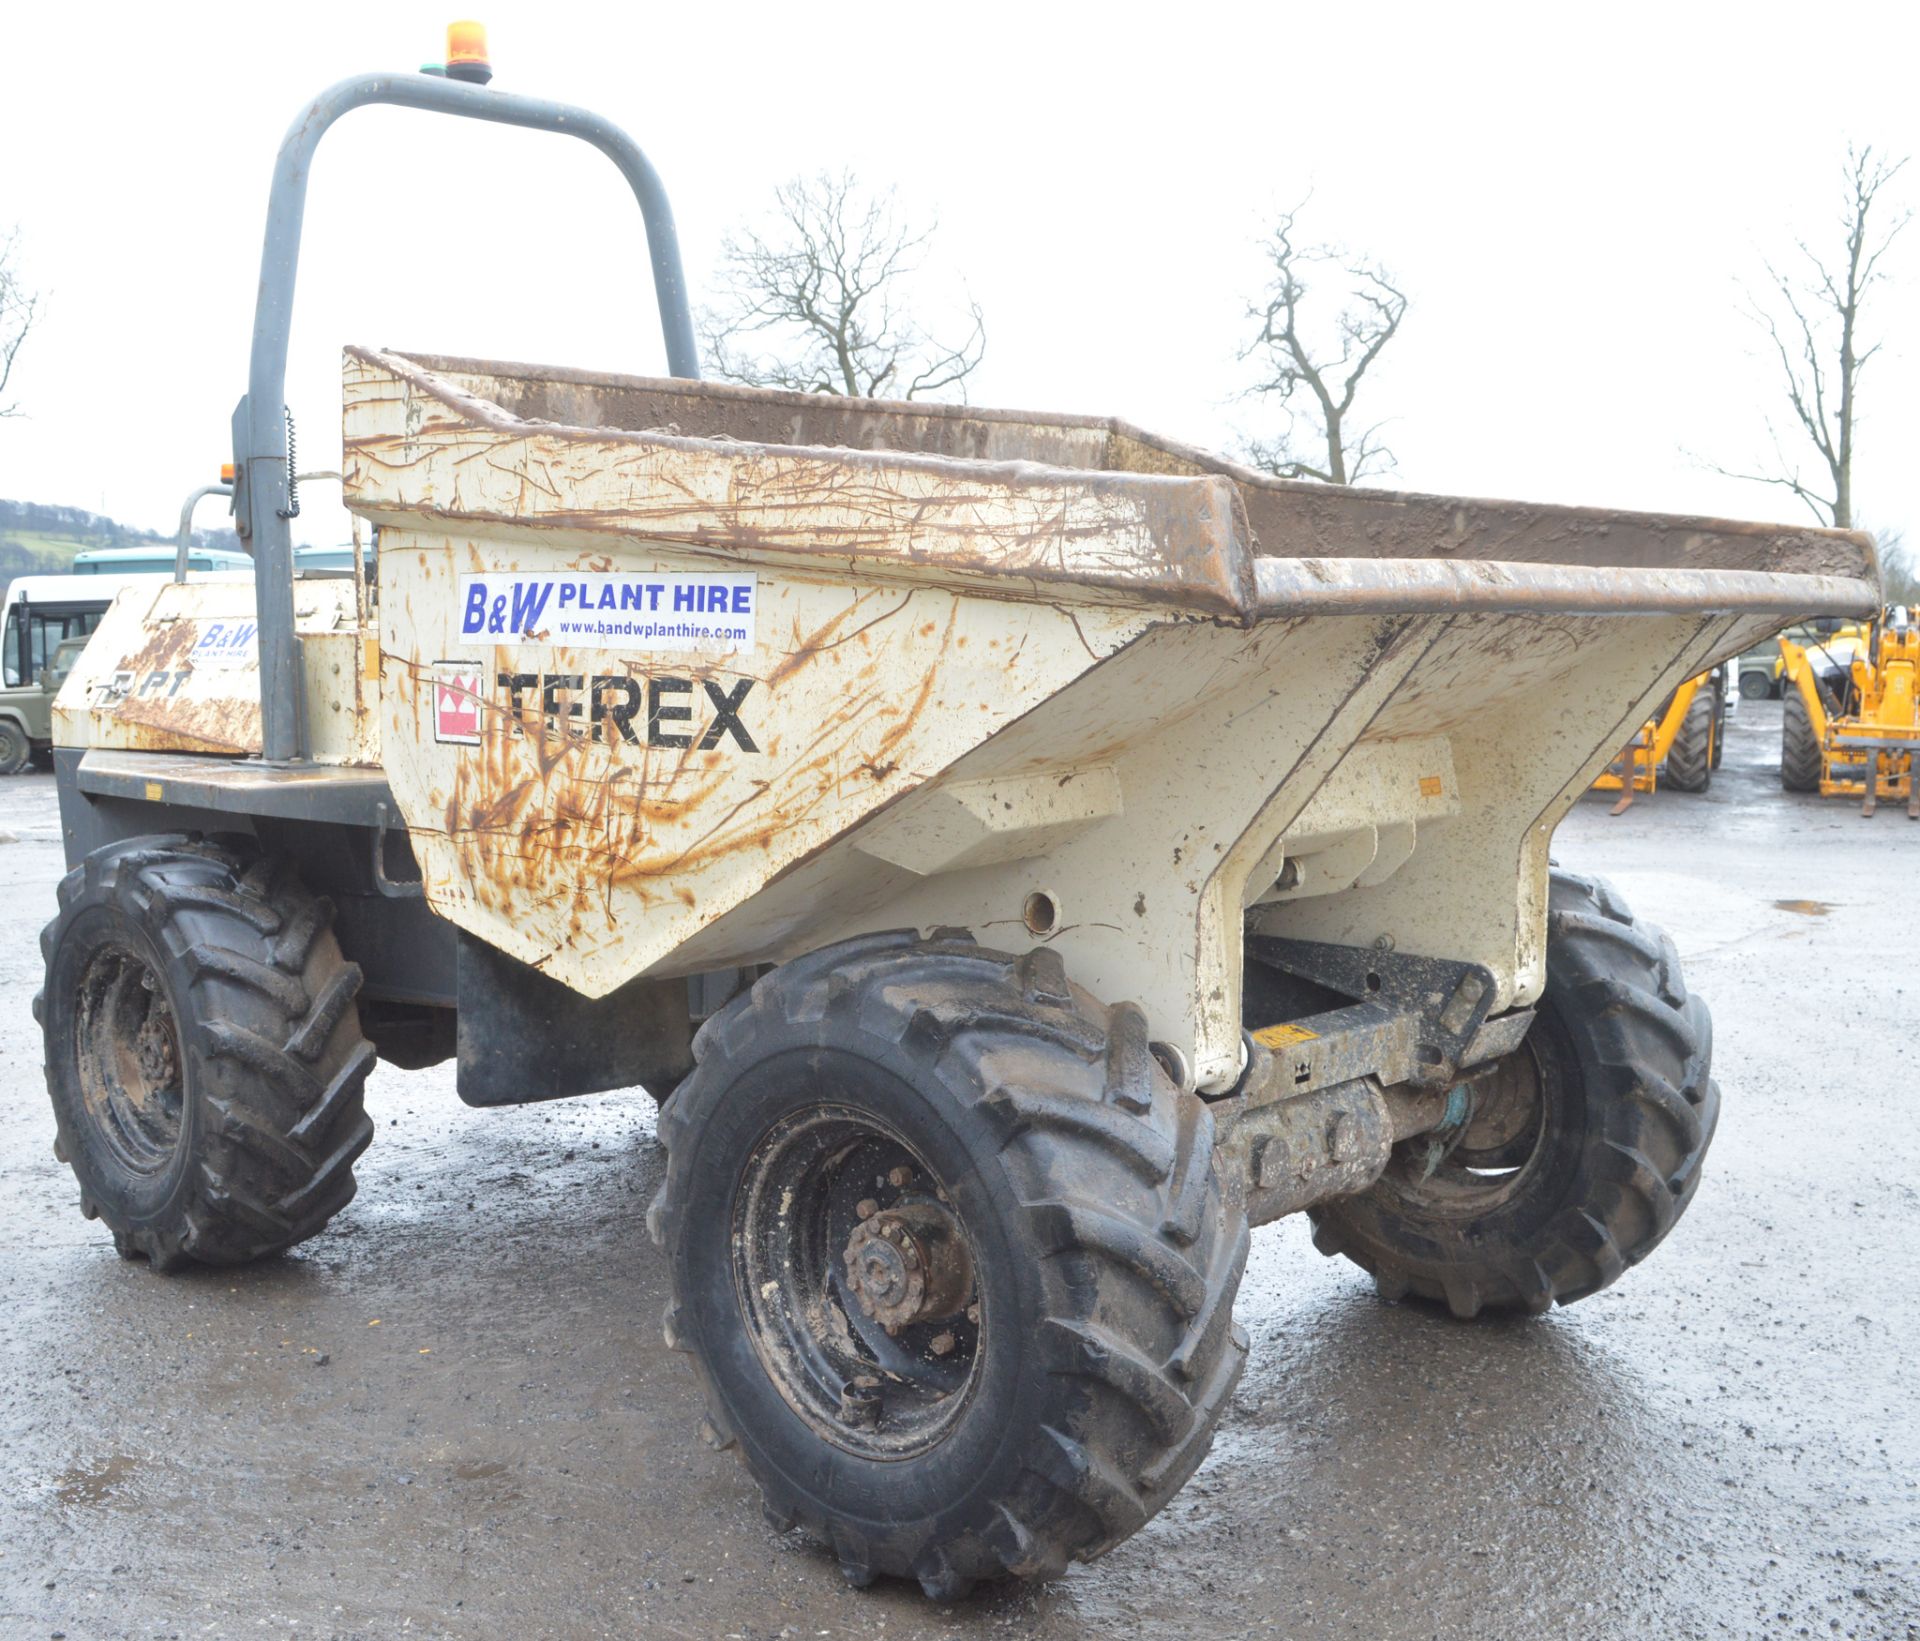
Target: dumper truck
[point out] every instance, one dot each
(1022, 854)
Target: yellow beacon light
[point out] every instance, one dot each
(467, 53)
(226, 472)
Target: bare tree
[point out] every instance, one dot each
(19, 308)
(821, 303)
(1899, 567)
(1812, 319)
(1326, 373)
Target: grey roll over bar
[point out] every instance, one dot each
(261, 507)
(183, 537)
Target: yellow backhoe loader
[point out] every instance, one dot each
(1680, 742)
(1852, 726)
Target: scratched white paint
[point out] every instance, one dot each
(968, 684)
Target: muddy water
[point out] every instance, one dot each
(453, 1414)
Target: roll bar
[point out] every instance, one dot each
(183, 538)
(262, 512)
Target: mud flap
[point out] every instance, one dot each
(524, 1036)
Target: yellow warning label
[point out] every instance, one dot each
(1283, 1036)
(155, 792)
(1431, 786)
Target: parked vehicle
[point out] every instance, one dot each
(1762, 670)
(1017, 870)
(41, 612)
(1852, 721)
(159, 558)
(1681, 742)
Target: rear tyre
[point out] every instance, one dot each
(1690, 758)
(203, 1051)
(15, 748)
(1756, 686)
(1799, 747)
(1585, 1145)
(951, 1258)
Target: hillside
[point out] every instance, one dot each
(40, 538)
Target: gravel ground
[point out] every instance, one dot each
(452, 1414)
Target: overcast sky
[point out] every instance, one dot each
(1569, 195)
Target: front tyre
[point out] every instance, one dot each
(951, 1258)
(203, 1051)
(1584, 1146)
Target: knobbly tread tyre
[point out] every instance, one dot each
(1130, 1353)
(1621, 1170)
(1690, 758)
(1800, 759)
(274, 1064)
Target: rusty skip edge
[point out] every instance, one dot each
(1206, 560)
(1371, 523)
(1329, 586)
(1202, 560)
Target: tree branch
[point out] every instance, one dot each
(1818, 347)
(1331, 371)
(19, 311)
(815, 305)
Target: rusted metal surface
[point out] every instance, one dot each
(1283, 519)
(1043, 678)
(175, 668)
(1315, 585)
(418, 446)
(611, 805)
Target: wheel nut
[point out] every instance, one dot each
(866, 1207)
(900, 1178)
(943, 1345)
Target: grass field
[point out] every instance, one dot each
(47, 552)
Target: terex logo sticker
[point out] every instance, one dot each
(456, 702)
(712, 614)
(620, 709)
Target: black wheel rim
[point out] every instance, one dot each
(1491, 1159)
(815, 1268)
(127, 1045)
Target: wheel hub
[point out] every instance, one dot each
(1506, 1114)
(128, 1049)
(155, 1051)
(856, 1280)
(908, 1264)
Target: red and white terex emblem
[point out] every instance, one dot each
(456, 702)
